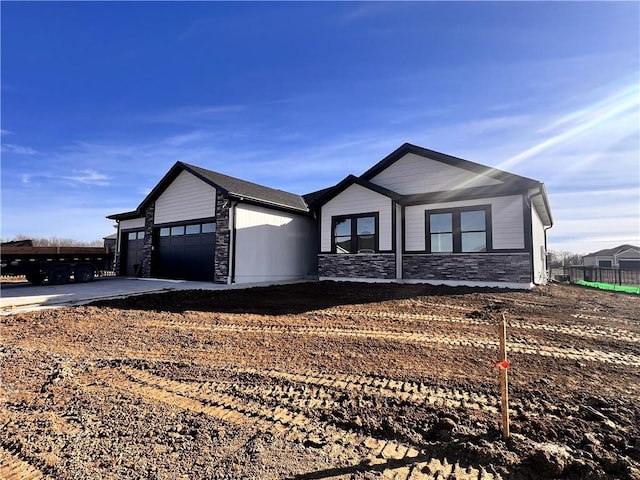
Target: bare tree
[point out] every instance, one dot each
(563, 258)
(56, 242)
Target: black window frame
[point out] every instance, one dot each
(178, 229)
(197, 226)
(456, 214)
(202, 228)
(354, 232)
(137, 235)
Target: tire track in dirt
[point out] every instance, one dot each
(392, 458)
(602, 319)
(406, 391)
(327, 384)
(13, 467)
(597, 332)
(564, 352)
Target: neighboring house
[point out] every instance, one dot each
(201, 225)
(423, 216)
(625, 257)
(416, 216)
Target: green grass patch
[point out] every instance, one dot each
(608, 286)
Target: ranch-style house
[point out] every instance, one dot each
(416, 216)
(624, 257)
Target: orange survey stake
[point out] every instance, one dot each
(501, 364)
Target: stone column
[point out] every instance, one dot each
(223, 236)
(116, 262)
(147, 248)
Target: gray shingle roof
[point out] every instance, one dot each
(612, 251)
(248, 190)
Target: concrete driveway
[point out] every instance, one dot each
(24, 297)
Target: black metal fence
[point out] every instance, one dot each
(613, 276)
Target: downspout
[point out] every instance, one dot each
(116, 252)
(231, 274)
(398, 232)
(546, 251)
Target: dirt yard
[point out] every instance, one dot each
(329, 380)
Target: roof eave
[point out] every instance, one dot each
(259, 201)
(124, 215)
(545, 200)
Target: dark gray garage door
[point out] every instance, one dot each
(630, 264)
(186, 252)
(134, 243)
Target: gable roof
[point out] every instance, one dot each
(230, 187)
(612, 251)
(510, 179)
(510, 183)
(311, 198)
(328, 193)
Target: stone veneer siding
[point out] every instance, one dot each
(488, 267)
(377, 265)
(221, 261)
(147, 246)
(116, 262)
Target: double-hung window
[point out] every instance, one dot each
(459, 230)
(355, 233)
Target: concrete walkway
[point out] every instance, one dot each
(24, 297)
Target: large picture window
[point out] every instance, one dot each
(355, 233)
(459, 230)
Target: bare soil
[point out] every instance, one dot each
(328, 380)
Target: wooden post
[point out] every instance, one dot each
(504, 380)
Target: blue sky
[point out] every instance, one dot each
(99, 99)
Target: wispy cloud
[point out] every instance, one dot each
(79, 177)
(17, 149)
(193, 115)
(5, 132)
(186, 138)
(364, 11)
(88, 177)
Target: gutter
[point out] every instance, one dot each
(542, 192)
(259, 201)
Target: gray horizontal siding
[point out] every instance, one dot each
(506, 222)
(416, 174)
(354, 200)
(186, 198)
